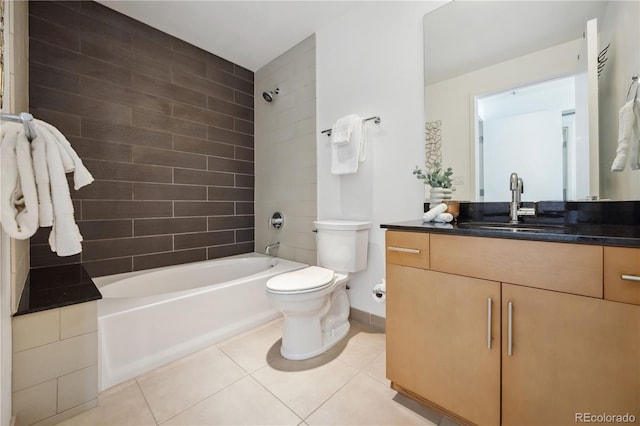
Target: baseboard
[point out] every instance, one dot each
(373, 321)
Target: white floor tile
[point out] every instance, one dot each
(360, 347)
(245, 402)
(172, 389)
(121, 405)
(251, 350)
(377, 369)
(365, 401)
(304, 385)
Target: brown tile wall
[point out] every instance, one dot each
(165, 128)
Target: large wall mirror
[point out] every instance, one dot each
(534, 88)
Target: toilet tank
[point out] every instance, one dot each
(342, 244)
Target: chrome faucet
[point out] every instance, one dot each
(517, 188)
(268, 248)
(515, 185)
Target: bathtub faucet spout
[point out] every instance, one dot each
(268, 248)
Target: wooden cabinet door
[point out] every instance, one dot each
(437, 340)
(570, 355)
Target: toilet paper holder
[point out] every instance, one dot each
(379, 292)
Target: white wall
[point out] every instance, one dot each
(621, 28)
(371, 63)
(452, 102)
(539, 142)
(285, 151)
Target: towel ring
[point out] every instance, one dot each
(634, 79)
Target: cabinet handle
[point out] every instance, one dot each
(404, 250)
(489, 338)
(510, 328)
(630, 278)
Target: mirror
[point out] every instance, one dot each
(475, 50)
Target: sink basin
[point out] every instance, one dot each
(515, 227)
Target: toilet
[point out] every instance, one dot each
(314, 300)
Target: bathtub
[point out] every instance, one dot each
(149, 318)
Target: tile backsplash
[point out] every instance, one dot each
(166, 129)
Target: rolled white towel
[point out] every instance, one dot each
(434, 212)
(443, 218)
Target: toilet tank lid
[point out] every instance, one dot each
(342, 225)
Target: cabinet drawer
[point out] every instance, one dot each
(408, 248)
(622, 274)
(569, 268)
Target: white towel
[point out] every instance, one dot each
(343, 128)
(628, 137)
(35, 190)
(18, 196)
(71, 161)
(345, 157)
(434, 212)
(65, 236)
(41, 170)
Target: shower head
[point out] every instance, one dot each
(270, 96)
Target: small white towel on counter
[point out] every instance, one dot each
(437, 214)
(35, 191)
(628, 137)
(346, 155)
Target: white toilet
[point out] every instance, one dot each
(314, 300)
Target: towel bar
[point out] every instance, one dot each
(25, 118)
(375, 119)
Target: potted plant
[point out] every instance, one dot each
(441, 183)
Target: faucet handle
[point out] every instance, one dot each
(520, 188)
(513, 182)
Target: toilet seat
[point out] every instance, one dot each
(312, 278)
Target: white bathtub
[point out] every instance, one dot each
(148, 318)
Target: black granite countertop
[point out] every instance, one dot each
(613, 223)
(55, 287)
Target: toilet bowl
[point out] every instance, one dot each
(314, 300)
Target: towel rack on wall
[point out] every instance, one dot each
(375, 119)
(26, 119)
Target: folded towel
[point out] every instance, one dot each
(18, 196)
(628, 136)
(434, 212)
(343, 128)
(345, 157)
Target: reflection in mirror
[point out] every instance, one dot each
(474, 50)
(543, 117)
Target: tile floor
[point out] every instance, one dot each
(245, 381)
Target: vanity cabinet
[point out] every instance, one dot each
(517, 332)
(569, 355)
(443, 340)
